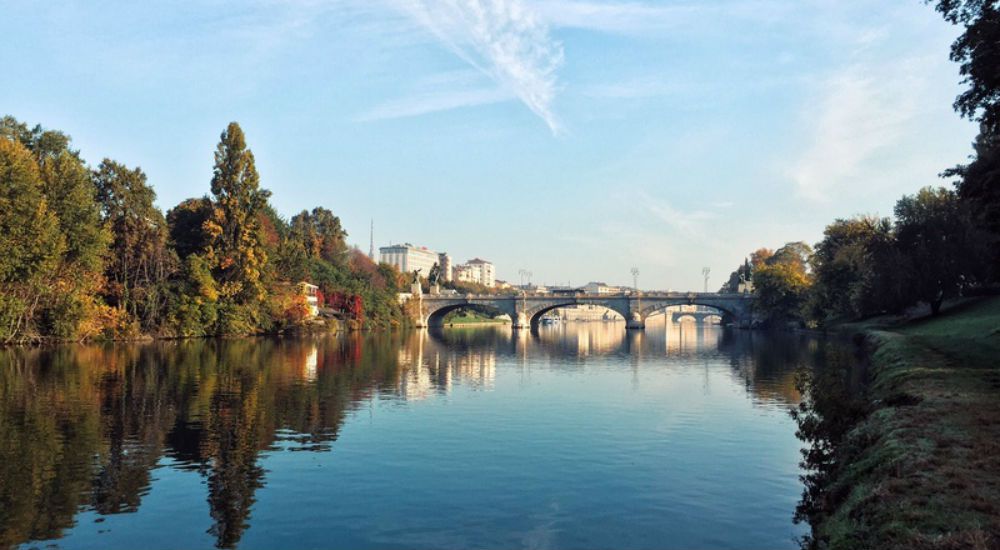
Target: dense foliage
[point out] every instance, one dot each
(977, 51)
(88, 254)
(933, 250)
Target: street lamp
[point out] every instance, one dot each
(524, 273)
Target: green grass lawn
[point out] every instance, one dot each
(469, 317)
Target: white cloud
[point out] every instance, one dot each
(503, 39)
(688, 223)
(863, 112)
(432, 102)
(440, 92)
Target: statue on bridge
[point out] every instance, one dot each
(415, 287)
(433, 277)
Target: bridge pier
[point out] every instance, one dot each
(634, 320)
(520, 321)
(635, 324)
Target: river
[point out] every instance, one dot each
(581, 435)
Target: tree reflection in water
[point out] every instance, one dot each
(834, 403)
(82, 427)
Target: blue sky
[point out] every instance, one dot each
(572, 138)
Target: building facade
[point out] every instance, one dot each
(408, 258)
(476, 271)
(600, 288)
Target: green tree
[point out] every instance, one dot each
(854, 268)
(796, 254)
(320, 234)
(140, 261)
(236, 248)
(933, 232)
(782, 282)
(187, 225)
(73, 197)
(70, 195)
(29, 238)
(977, 52)
(780, 292)
(292, 261)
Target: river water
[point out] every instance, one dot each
(581, 435)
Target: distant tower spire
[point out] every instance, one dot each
(371, 241)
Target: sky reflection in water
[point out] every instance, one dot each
(579, 436)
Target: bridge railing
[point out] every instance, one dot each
(662, 295)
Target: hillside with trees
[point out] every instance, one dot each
(88, 255)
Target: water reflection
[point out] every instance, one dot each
(84, 428)
(836, 402)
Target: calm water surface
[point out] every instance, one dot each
(579, 436)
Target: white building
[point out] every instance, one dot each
(408, 258)
(586, 312)
(600, 288)
(476, 271)
(311, 292)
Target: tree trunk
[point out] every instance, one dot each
(936, 306)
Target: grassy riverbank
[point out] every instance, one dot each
(922, 470)
(472, 318)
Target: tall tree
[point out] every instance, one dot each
(782, 282)
(856, 269)
(977, 51)
(70, 195)
(933, 233)
(140, 262)
(236, 250)
(29, 238)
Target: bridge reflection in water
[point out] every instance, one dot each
(82, 428)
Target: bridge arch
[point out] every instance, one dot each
(535, 314)
(727, 312)
(696, 316)
(435, 318)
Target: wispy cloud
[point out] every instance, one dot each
(862, 113)
(439, 92)
(426, 102)
(688, 223)
(504, 39)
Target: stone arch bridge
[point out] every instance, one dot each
(526, 310)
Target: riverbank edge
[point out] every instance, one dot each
(336, 327)
(922, 468)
